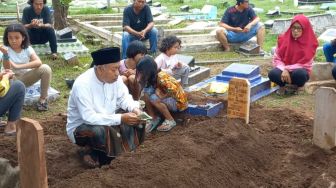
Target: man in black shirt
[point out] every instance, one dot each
(138, 25)
(37, 20)
(239, 24)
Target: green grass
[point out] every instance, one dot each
(92, 11)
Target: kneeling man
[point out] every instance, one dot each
(93, 119)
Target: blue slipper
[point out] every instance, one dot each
(153, 124)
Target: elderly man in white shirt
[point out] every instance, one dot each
(93, 119)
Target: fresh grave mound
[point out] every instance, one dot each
(201, 98)
(274, 150)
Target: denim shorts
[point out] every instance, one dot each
(234, 37)
(170, 102)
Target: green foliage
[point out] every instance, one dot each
(65, 2)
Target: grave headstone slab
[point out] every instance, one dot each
(31, 155)
(250, 48)
(269, 24)
(65, 33)
(149, 2)
(184, 8)
(328, 35)
(273, 13)
(156, 4)
(324, 119)
(71, 58)
(239, 99)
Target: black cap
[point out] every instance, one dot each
(106, 56)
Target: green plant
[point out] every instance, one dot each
(65, 2)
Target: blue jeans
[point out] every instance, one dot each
(299, 77)
(170, 102)
(234, 37)
(127, 38)
(42, 36)
(334, 72)
(13, 100)
(329, 52)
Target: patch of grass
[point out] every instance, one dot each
(301, 103)
(213, 55)
(92, 11)
(270, 41)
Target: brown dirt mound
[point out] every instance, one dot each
(274, 150)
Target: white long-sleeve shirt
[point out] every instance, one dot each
(93, 102)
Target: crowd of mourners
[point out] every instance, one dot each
(104, 112)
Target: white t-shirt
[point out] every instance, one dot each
(22, 57)
(166, 63)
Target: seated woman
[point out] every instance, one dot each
(12, 93)
(135, 51)
(162, 93)
(26, 65)
(294, 55)
(167, 61)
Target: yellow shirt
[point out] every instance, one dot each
(4, 86)
(173, 88)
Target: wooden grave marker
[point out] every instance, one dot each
(31, 154)
(239, 99)
(324, 118)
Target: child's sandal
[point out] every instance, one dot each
(167, 125)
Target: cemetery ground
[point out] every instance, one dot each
(274, 150)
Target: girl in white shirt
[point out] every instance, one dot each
(24, 62)
(168, 62)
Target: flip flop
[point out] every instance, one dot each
(152, 124)
(166, 126)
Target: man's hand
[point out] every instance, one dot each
(238, 29)
(142, 34)
(130, 118)
(137, 111)
(247, 28)
(35, 23)
(3, 49)
(285, 77)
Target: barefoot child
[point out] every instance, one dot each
(168, 62)
(24, 62)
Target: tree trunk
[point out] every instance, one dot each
(60, 15)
